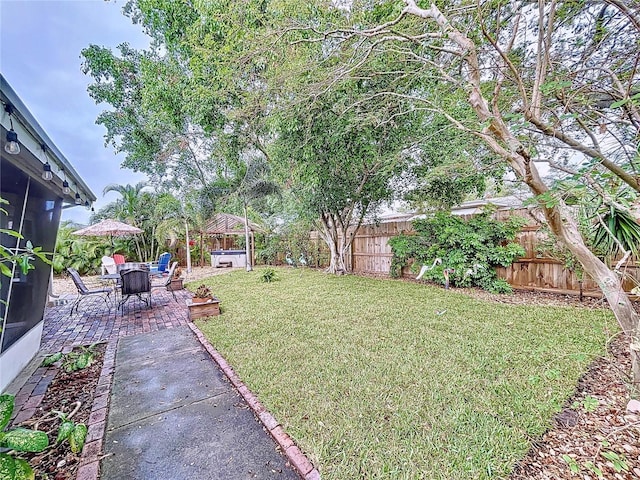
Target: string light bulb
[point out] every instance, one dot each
(66, 190)
(12, 146)
(46, 173)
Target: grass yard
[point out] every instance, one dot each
(379, 378)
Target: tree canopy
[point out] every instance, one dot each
(353, 103)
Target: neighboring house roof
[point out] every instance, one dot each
(31, 137)
(471, 207)
(225, 223)
(475, 206)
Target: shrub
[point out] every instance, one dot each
(19, 440)
(471, 248)
(268, 275)
(203, 292)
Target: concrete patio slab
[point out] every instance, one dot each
(174, 416)
(149, 379)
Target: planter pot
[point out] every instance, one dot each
(199, 300)
(209, 308)
(176, 284)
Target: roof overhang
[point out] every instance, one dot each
(31, 137)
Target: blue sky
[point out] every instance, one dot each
(40, 44)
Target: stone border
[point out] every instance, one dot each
(295, 456)
(89, 466)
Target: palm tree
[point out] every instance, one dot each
(128, 209)
(252, 185)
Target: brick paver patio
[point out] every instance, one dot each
(95, 322)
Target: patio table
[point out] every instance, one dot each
(137, 265)
(114, 278)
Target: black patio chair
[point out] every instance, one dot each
(85, 292)
(135, 282)
(164, 282)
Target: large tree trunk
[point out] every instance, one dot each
(564, 226)
(506, 145)
(338, 240)
(336, 264)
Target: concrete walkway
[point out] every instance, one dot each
(174, 415)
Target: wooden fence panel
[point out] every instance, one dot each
(371, 254)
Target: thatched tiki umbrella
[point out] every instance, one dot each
(109, 227)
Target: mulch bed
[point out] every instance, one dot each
(594, 425)
(67, 392)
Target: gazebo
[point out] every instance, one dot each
(223, 226)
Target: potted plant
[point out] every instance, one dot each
(176, 280)
(202, 294)
(203, 303)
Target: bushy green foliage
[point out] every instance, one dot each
(19, 440)
(268, 275)
(74, 433)
(295, 242)
(84, 254)
(471, 248)
(78, 359)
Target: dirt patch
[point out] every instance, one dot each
(69, 393)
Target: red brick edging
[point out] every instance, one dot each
(298, 459)
(89, 468)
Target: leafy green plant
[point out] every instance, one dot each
(51, 359)
(470, 249)
(589, 404)
(621, 229)
(75, 433)
(573, 465)
(591, 467)
(203, 292)
(19, 440)
(618, 461)
(83, 254)
(72, 361)
(268, 275)
(23, 257)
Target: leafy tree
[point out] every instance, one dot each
(251, 185)
(147, 120)
(155, 213)
(553, 82)
(339, 166)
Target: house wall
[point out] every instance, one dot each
(34, 209)
(18, 355)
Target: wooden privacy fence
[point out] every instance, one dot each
(371, 254)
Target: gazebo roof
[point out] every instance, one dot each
(225, 223)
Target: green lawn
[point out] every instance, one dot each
(379, 378)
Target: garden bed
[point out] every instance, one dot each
(67, 392)
(593, 423)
